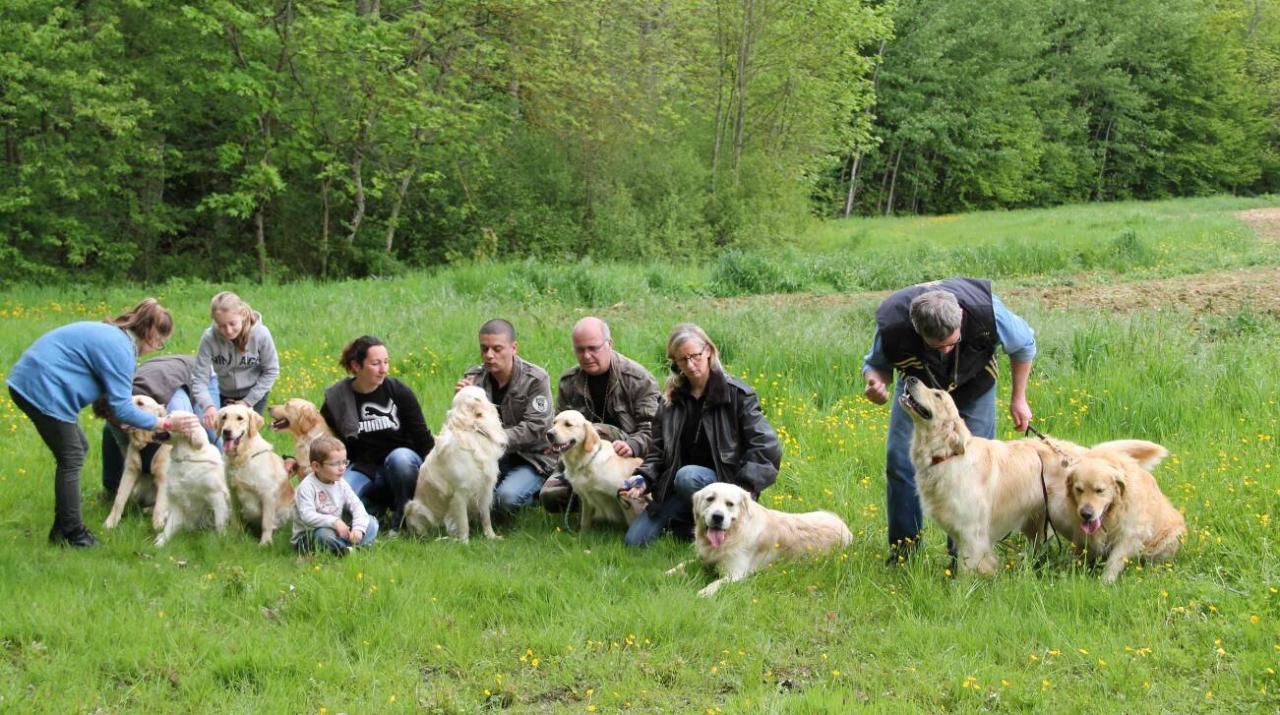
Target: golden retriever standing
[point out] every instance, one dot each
(301, 419)
(595, 471)
(978, 490)
(255, 471)
(195, 485)
(1110, 505)
(459, 475)
(134, 482)
(738, 537)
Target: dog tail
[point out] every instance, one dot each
(1147, 454)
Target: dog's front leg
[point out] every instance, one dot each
(171, 526)
(456, 522)
(1119, 558)
(484, 504)
(588, 514)
(221, 512)
(268, 504)
(677, 570)
(128, 480)
(729, 573)
(160, 472)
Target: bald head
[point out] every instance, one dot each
(592, 345)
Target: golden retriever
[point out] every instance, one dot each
(256, 472)
(147, 488)
(1109, 505)
(595, 471)
(195, 486)
(458, 477)
(738, 537)
(301, 419)
(978, 490)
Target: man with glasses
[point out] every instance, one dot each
(617, 394)
(944, 333)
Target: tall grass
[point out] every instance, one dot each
(548, 620)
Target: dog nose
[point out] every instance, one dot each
(551, 437)
(911, 381)
(717, 518)
(1086, 513)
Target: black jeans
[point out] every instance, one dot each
(69, 446)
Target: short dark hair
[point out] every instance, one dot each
(357, 350)
(324, 446)
(498, 326)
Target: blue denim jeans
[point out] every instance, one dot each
(325, 538)
(390, 487)
(679, 504)
(115, 441)
(905, 515)
(517, 488)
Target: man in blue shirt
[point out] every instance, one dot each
(944, 333)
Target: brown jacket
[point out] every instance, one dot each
(631, 401)
(526, 411)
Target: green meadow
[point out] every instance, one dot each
(551, 620)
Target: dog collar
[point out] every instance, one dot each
(938, 459)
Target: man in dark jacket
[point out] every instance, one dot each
(617, 394)
(522, 393)
(945, 333)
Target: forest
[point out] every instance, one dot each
(282, 140)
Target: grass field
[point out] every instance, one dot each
(548, 620)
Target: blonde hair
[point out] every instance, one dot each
(148, 320)
(681, 334)
(228, 302)
(323, 447)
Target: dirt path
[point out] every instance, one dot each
(1219, 292)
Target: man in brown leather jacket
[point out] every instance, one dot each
(615, 393)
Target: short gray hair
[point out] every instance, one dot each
(935, 314)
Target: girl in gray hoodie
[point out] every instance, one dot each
(238, 349)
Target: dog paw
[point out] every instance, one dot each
(676, 570)
(710, 590)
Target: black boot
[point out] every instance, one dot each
(78, 537)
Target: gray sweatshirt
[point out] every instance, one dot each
(246, 376)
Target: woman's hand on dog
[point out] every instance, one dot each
(179, 423)
(633, 487)
(210, 417)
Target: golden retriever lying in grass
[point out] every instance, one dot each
(1109, 505)
(978, 490)
(263, 493)
(458, 477)
(146, 488)
(195, 485)
(738, 537)
(595, 471)
(301, 419)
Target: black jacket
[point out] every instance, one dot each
(744, 445)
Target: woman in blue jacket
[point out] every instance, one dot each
(64, 371)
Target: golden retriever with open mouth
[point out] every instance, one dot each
(195, 486)
(738, 537)
(458, 477)
(978, 490)
(301, 419)
(134, 483)
(263, 493)
(1110, 506)
(595, 471)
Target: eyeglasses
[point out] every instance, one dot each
(584, 349)
(335, 465)
(690, 359)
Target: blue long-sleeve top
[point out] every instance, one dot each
(1016, 337)
(67, 368)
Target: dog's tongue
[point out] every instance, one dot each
(1091, 526)
(228, 444)
(716, 537)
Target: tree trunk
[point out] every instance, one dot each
(853, 186)
(1106, 145)
(261, 232)
(324, 227)
(719, 125)
(394, 220)
(358, 215)
(893, 183)
(740, 85)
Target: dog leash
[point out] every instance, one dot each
(1044, 486)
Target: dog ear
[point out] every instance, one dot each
(955, 441)
(1071, 485)
(219, 420)
(307, 419)
(197, 436)
(255, 422)
(1119, 478)
(591, 438)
